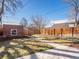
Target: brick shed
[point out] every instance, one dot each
(12, 30)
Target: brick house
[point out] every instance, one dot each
(12, 30)
(16, 30)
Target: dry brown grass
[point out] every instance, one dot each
(54, 39)
(60, 41)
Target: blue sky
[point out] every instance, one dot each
(52, 10)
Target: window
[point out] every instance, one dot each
(13, 32)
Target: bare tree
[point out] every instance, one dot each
(74, 8)
(24, 22)
(38, 22)
(9, 5)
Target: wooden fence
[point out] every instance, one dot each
(61, 31)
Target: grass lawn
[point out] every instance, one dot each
(51, 38)
(74, 43)
(66, 41)
(21, 47)
(61, 41)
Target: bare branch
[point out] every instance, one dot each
(24, 22)
(74, 9)
(9, 6)
(39, 22)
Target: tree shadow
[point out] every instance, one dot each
(56, 42)
(67, 50)
(61, 54)
(39, 45)
(6, 52)
(7, 45)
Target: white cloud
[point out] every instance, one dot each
(59, 21)
(56, 22)
(11, 23)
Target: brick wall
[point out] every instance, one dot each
(7, 30)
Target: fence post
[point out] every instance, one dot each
(50, 31)
(54, 31)
(72, 31)
(45, 31)
(61, 31)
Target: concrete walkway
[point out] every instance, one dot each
(60, 52)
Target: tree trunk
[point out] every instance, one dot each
(2, 11)
(1, 20)
(76, 17)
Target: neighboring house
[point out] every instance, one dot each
(63, 25)
(12, 30)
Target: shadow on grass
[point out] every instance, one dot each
(5, 51)
(61, 54)
(2, 39)
(41, 46)
(67, 50)
(16, 54)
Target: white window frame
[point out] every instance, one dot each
(12, 34)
